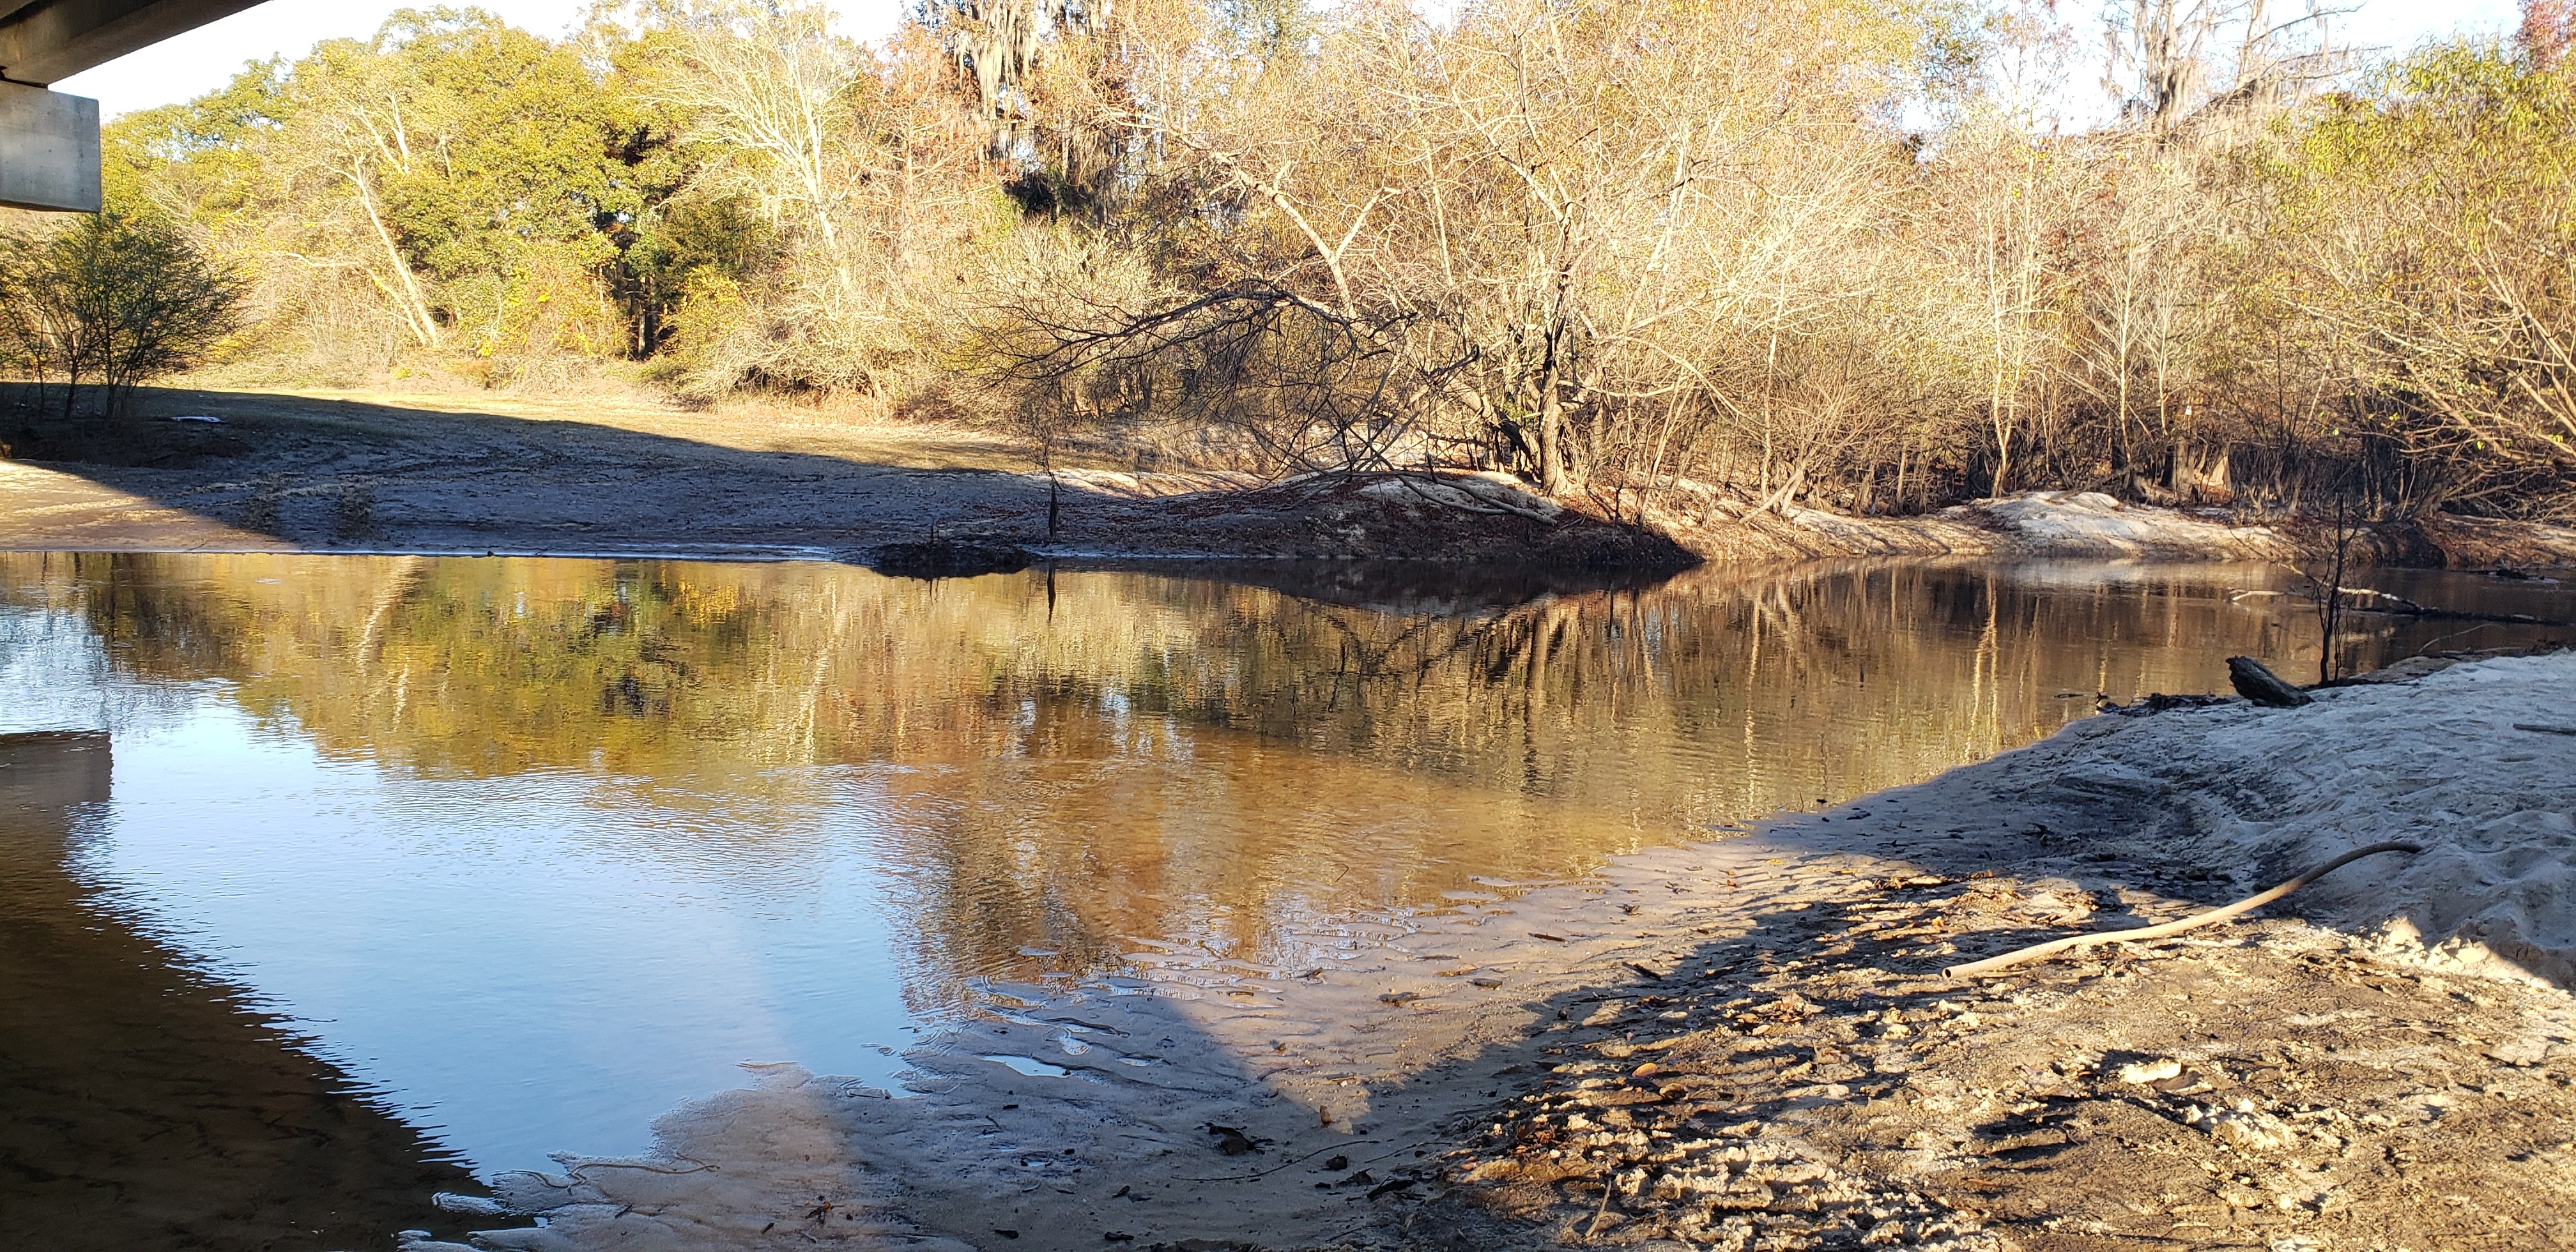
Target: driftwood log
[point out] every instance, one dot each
(2372, 600)
(2212, 917)
(2262, 686)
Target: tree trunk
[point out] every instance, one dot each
(415, 307)
(1551, 433)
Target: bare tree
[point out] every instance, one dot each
(1576, 234)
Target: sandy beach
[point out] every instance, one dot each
(474, 474)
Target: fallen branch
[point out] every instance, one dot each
(2212, 917)
(1484, 503)
(2369, 600)
(701, 1166)
(2400, 606)
(1344, 1143)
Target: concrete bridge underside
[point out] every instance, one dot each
(48, 140)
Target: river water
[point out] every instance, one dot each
(360, 874)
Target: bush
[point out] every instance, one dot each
(113, 300)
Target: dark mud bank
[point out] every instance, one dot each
(1448, 519)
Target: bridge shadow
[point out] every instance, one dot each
(150, 1104)
(565, 475)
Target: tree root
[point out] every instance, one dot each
(2249, 904)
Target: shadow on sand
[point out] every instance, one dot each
(338, 475)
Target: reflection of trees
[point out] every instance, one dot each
(1213, 764)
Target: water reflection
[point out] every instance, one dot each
(150, 1106)
(583, 833)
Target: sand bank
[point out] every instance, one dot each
(451, 474)
(1722, 525)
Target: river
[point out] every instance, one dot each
(415, 868)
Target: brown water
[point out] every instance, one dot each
(509, 856)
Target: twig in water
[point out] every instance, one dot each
(2439, 640)
(702, 1166)
(2546, 730)
(2212, 917)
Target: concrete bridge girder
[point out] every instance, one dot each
(49, 156)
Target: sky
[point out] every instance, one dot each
(206, 58)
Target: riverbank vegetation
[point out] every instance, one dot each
(113, 300)
(1835, 254)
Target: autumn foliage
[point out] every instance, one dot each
(1824, 253)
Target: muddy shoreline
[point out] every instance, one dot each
(1750, 1042)
(431, 475)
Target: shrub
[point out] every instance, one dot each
(113, 300)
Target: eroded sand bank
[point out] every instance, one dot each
(1749, 1042)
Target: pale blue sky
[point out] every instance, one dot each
(207, 57)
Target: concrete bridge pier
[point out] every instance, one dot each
(49, 155)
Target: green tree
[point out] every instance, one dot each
(451, 185)
(2425, 236)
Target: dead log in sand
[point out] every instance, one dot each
(2210, 918)
(2262, 686)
